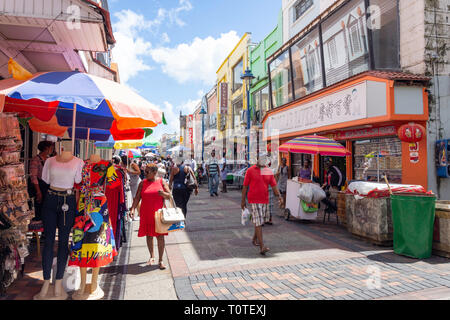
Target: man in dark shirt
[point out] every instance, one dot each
(334, 180)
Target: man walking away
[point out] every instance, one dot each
(256, 182)
(213, 172)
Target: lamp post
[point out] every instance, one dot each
(248, 77)
(203, 112)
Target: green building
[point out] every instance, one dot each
(259, 92)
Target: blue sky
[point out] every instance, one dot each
(169, 50)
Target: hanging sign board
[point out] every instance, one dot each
(223, 98)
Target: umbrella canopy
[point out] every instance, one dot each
(109, 144)
(134, 154)
(127, 144)
(315, 145)
(150, 141)
(98, 101)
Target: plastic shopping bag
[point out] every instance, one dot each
(318, 193)
(305, 193)
(245, 216)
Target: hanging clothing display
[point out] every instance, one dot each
(115, 195)
(15, 213)
(93, 238)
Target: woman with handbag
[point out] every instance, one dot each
(152, 191)
(182, 182)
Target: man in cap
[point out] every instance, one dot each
(256, 183)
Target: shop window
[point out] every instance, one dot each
(307, 65)
(373, 158)
(237, 109)
(301, 7)
(237, 72)
(332, 52)
(261, 103)
(385, 36)
(280, 74)
(265, 104)
(344, 35)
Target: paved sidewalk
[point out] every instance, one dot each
(215, 259)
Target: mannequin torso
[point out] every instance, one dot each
(64, 157)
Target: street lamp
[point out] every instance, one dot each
(248, 77)
(203, 112)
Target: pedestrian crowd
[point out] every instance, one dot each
(153, 180)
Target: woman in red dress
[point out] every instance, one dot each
(152, 192)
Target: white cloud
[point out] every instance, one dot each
(195, 61)
(130, 49)
(172, 115)
(165, 38)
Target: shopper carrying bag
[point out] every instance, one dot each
(152, 192)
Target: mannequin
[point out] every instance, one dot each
(92, 230)
(89, 291)
(61, 173)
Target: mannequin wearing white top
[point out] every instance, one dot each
(61, 173)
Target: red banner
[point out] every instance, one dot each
(364, 133)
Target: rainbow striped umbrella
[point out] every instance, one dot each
(315, 145)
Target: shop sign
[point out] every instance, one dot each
(191, 128)
(364, 133)
(223, 98)
(346, 105)
(414, 152)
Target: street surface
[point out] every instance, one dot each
(214, 259)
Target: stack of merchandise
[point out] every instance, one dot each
(15, 213)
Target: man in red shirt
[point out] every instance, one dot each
(256, 182)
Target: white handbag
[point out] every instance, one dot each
(170, 212)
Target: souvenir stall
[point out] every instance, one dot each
(302, 195)
(15, 213)
(85, 103)
(367, 200)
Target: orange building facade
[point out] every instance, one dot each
(363, 113)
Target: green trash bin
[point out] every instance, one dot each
(413, 222)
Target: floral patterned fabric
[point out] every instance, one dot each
(93, 243)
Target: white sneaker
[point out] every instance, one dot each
(136, 219)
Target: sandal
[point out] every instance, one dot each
(255, 243)
(269, 223)
(162, 266)
(263, 251)
(150, 262)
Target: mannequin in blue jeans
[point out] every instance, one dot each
(58, 211)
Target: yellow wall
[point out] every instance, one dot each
(225, 74)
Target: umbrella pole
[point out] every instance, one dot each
(312, 168)
(73, 127)
(87, 141)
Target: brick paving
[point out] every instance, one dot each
(215, 260)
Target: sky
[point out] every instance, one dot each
(169, 50)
